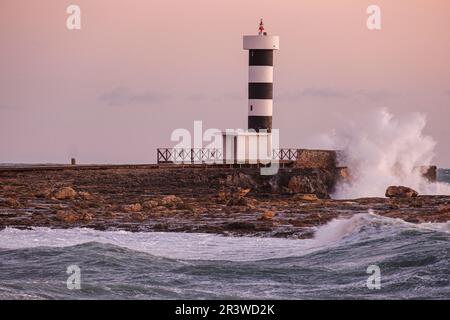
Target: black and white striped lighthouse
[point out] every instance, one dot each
(260, 78)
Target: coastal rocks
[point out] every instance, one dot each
(171, 201)
(10, 203)
(85, 195)
(238, 198)
(136, 207)
(150, 204)
(71, 216)
(44, 193)
(400, 192)
(307, 185)
(267, 215)
(65, 193)
(241, 180)
(306, 197)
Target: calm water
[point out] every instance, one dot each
(414, 262)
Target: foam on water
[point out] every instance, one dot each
(414, 259)
(198, 246)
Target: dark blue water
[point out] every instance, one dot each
(443, 175)
(414, 263)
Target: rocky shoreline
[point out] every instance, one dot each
(228, 201)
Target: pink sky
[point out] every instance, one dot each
(114, 91)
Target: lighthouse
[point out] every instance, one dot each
(260, 78)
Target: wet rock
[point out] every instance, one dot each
(87, 216)
(444, 208)
(45, 193)
(400, 192)
(241, 180)
(306, 197)
(138, 216)
(307, 185)
(184, 206)
(171, 201)
(243, 192)
(150, 204)
(267, 215)
(68, 216)
(65, 193)
(85, 195)
(136, 207)
(10, 203)
(237, 201)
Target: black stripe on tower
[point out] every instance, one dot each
(260, 90)
(260, 122)
(260, 57)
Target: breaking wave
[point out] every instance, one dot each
(414, 261)
(382, 150)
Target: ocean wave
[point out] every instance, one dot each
(414, 260)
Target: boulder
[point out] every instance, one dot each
(306, 197)
(136, 207)
(267, 215)
(150, 204)
(65, 193)
(11, 203)
(68, 216)
(171, 201)
(85, 195)
(241, 180)
(401, 192)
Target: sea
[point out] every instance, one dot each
(362, 257)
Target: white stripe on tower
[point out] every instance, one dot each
(260, 107)
(260, 74)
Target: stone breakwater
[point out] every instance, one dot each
(233, 201)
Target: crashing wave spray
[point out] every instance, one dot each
(382, 150)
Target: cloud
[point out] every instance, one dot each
(376, 95)
(122, 96)
(227, 96)
(332, 93)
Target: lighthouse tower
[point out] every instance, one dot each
(260, 78)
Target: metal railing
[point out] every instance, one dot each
(201, 155)
(194, 155)
(288, 154)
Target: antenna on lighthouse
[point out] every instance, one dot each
(261, 27)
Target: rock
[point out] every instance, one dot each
(46, 193)
(222, 197)
(306, 197)
(241, 180)
(443, 208)
(150, 204)
(138, 216)
(170, 201)
(136, 207)
(244, 192)
(306, 185)
(67, 216)
(86, 216)
(65, 193)
(237, 201)
(400, 192)
(184, 206)
(11, 203)
(85, 195)
(267, 215)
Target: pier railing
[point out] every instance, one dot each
(205, 155)
(193, 155)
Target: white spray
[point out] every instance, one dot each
(381, 150)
